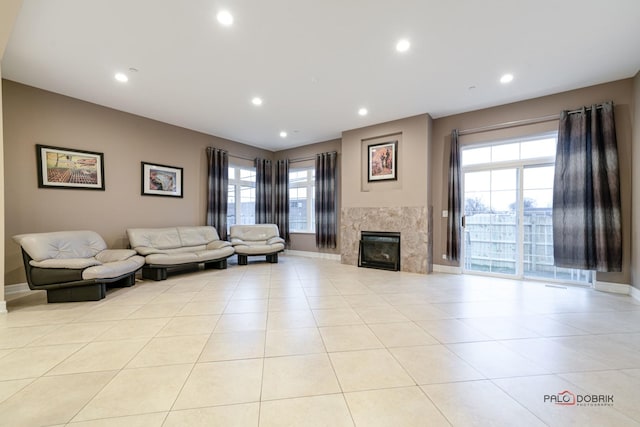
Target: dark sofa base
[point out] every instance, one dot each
(90, 292)
(244, 259)
(79, 293)
(160, 272)
(67, 285)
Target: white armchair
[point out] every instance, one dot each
(75, 265)
(258, 239)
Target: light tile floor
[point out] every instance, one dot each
(312, 342)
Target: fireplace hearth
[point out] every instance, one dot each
(379, 249)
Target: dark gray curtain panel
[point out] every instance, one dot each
(281, 199)
(326, 220)
(454, 204)
(587, 231)
(263, 191)
(217, 189)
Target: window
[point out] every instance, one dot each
(241, 201)
(302, 200)
(508, 195)
(541, 147)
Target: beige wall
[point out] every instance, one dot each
(401, 205)
(635, 209)
(411, 187)
(33, 116)
(619, 91)
(2, 210)
(307, 241)
(8, 13)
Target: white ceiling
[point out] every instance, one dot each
(316, 62)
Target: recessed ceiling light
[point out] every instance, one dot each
(507, 78)
(363, 111)
(256, 101)
(283, 134)
(403, 45)
(225, 18)
(121, 77)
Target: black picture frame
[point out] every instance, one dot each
(161, 180)
(382, 161)
(69, 168)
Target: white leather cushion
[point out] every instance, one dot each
(235, 242)
(257, 232)
(111, 255)
(218, 244)
(201, 235)
(71, 263)
(159, 238)
(212, 254)
(183, 250)
(144, 250)
(259, 249)
(201, 255)
(172, 259)
(61, 244)
(113, 269)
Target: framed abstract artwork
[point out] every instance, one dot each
(69, 168)
(161, 180)
(383, 161)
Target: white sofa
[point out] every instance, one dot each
(75, 265)
(165, 248)
(258, 239)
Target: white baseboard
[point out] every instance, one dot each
(615, 288)
(308, 254)
(449, 269)
(16, 289)
(634, 292)
(10, 290)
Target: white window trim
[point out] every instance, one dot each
(309, 184)
(237, 183)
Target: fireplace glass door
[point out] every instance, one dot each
(379, 249)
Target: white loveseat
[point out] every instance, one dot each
(165, 248)
(258, 239)
(75, 265)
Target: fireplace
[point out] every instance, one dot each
(379, 249)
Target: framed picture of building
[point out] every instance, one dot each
(161, 180)
(383, 161)
(69, 168)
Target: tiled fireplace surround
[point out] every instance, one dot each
(412, 222)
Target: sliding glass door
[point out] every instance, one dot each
(537, 199)
(491, 228)
(508, 194)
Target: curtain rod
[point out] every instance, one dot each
(517, 123)
(232, 155)
(241, 157)
(506, 125)
(304, 159)
(298, 159)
